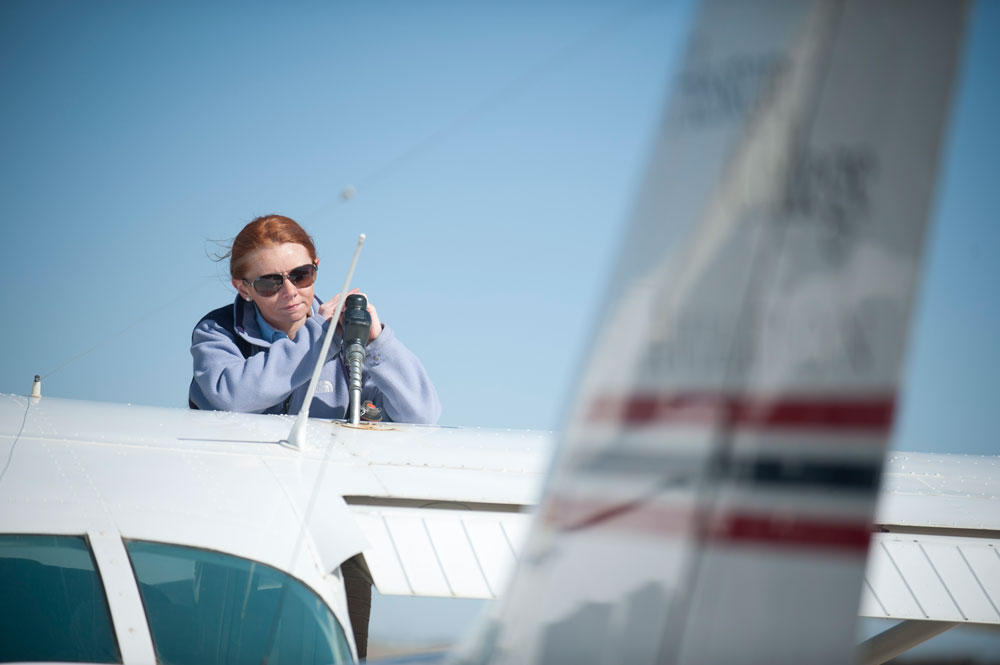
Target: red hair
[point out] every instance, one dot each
(266, 231)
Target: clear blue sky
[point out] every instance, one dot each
(495, 148)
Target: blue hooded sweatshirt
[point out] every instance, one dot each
(237, 369)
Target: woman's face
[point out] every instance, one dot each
(289, 308)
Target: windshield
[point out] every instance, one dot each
(53, 606)
(207, 607)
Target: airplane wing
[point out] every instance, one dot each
(934, 562)
(934, 559)
(928, 504)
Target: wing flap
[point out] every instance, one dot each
(440, 552)
(933, 578)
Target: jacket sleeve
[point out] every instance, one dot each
(397, 383)
(230, 382)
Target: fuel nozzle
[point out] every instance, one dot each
(357, 320)
(357, 326)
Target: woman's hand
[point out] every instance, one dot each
(327, 309)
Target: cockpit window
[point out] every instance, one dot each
(52, 603)
(207, 607)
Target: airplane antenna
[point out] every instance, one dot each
(36, 386)
(296, 438)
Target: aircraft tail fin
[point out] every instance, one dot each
(713, 495)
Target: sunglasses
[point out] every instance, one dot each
(268, 285)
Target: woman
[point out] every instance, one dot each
(258, 354)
